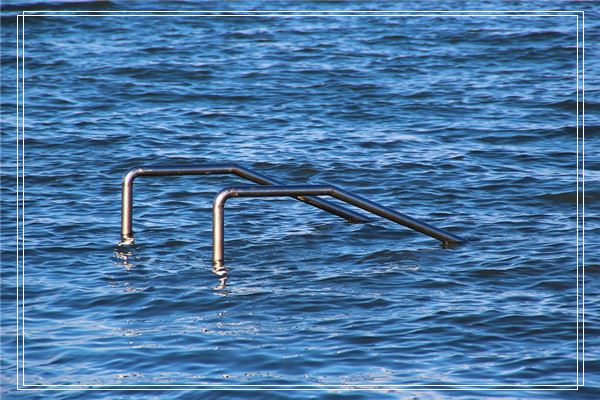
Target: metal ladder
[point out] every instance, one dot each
(273, 188)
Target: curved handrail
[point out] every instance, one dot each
(314, 190)
(127, 190)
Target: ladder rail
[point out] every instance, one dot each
(208, 169)
(314, 190)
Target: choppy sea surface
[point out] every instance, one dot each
(468, 123)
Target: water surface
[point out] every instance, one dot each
(467, 123)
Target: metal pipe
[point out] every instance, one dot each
(127, 190)
(314, 190)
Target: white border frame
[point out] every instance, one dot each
(21, 385)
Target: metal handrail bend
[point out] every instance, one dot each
(314, 190)
(127, 191)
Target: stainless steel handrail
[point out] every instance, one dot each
(127, 191)
(314, 190)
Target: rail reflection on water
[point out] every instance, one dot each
(125, 255)
(223, 274)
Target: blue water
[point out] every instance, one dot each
(467, 123)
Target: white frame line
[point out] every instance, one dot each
(299, 15)
(583, 196)
(287, 13)
(367, 12)
(18, 215)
